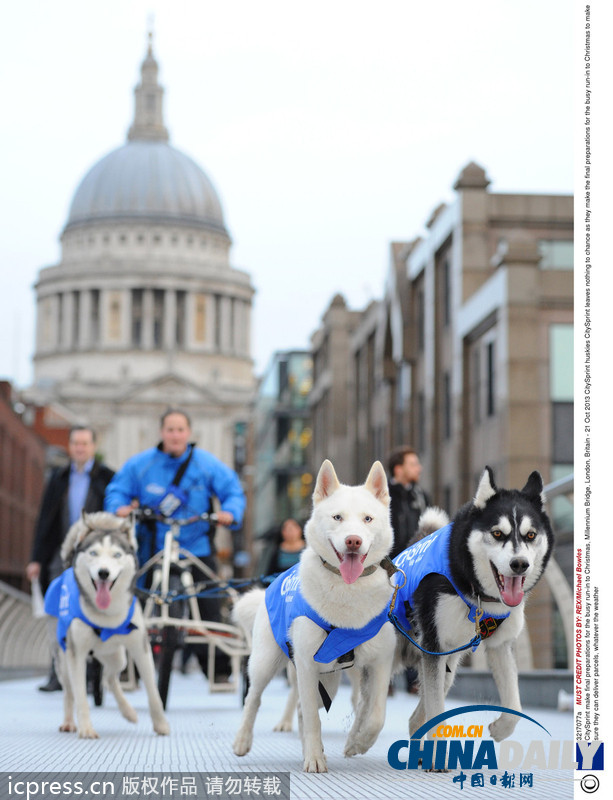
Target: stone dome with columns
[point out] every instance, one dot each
(144, 309)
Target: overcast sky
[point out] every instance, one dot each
(329, 129)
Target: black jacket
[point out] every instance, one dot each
(52, 523)
(407, 505)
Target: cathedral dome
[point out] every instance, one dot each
(147, 179)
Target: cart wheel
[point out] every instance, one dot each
(170, 641)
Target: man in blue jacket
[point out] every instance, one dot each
(150, 479)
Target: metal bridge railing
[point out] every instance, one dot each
(24, 641)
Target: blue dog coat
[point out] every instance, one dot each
(62, 601)
(427, 556)
(285, 602)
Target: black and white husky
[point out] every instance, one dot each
(97, 612)
(486, 561)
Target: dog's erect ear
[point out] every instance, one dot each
(486, 489)
(377, 483)
(83, 529)
(74, 536)
(327, 482)
(534, 488)
(128, 527)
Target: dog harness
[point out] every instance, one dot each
(285, 602)
(430, 555)
(62, 601)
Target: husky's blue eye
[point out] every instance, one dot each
(367, 518)
(337, 518)
(117, 555)
(93, 553)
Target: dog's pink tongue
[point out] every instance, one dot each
(512, 591)
(103, 595)
(351, 567)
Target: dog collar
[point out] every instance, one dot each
(486, 598)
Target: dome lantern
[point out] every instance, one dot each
(148, 99)
(146, 179)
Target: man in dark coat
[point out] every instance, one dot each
(408, 499)
(408, 502)
(78, 486)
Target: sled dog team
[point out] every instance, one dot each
(344, 606)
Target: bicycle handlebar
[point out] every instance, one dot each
(144, 513)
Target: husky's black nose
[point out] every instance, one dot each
(103, 574)
(519, 565)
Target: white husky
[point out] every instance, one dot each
(330, 608)
(97, 612)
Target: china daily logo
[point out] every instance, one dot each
(459, 747)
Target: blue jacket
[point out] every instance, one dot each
(285, 602)
(148, 477)
(62, 601)
(428, 555)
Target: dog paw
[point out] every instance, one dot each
(130, 714)
(315, 763)
(161, 727)
(284, 726)
(242, 744)
(68, 727)
(88, 733)
(502, 727)
(354, 747)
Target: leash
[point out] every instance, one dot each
(219, 588)
(473, 643)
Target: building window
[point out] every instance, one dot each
(233, 336)
(76, 297)
(490, 403)
(421, 320)
(137, 317)
(60, 319)
(180, 320)
(447, 497)
(447, 405)
(556, 254)
(200, 319)
(218, 321)
(95, 316)
(158, 318)
(476, 384)
(114, 324)
(561, 392)
(421, 423)
(561, 346)
(446, 292)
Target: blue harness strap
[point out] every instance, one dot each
(430, 555)
(62, 601)
(285, 602)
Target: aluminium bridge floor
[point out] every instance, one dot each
(203, 725)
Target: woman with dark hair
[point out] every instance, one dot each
(284, 550)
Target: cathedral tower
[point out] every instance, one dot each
(144, 309)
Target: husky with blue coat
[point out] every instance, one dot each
(93, 600)
(328, 613)
(472, 575)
